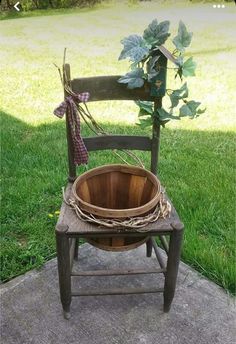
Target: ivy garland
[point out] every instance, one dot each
(145, 53)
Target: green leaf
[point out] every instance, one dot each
(133, 79)
(174, 100)
(200, 111)
(134, 47)
(151, 67)
(176, 95)
(157, 34)
(189, 109)
(189, 67)
(179, 73)
(183, 39)
(185, 111)
(163, 115)
(146, 108)
(144, 123)
(134, 65)
(180, 61)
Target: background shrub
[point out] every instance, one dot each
(28, 5)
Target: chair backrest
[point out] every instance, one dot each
(108, 88)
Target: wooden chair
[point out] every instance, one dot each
(69, 228)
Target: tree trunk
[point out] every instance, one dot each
(9, 5)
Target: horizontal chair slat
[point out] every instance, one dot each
(122, 291)
(118, 142)
(108, 88)
(118, 272)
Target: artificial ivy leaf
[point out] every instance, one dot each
(185, 111)
(200, 111)
(179, 73)
(157, 34)
(133, 79)
(135, 48)
(151, 67)
(182, 92)
(174, 100)
(146, 108)
(183, 39)
(176, 95)
(189, 67)
(134, 65)
(189, 109)
(180, 61)
(163, 115)
(144, 123)
(163, 123)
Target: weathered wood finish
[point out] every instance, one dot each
(149, 248)
(164, 243)
(158, 254)
(76, 251)
(117, 272)
(172, 266)
(108, 88)
(155, 139)
(123, 291)
(80, 229)
(64, 268)
(143, 143)
(69, 228)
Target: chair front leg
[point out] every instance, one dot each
(64, 273)
(172, 266)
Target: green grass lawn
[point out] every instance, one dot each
(197, 158)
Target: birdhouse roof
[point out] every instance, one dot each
(167, 54)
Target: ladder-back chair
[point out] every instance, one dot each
(70, 228)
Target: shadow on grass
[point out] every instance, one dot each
(196, 168)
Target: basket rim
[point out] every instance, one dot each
(118, 213)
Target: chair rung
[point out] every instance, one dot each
(158, 254)
(123, 291)
(117, 272)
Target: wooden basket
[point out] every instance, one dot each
(117, 192)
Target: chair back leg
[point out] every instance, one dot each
(76, 251)
(149, 247)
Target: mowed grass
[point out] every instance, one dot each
(197, 157)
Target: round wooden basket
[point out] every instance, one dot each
(117, 192)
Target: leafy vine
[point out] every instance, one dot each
(146, 54)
